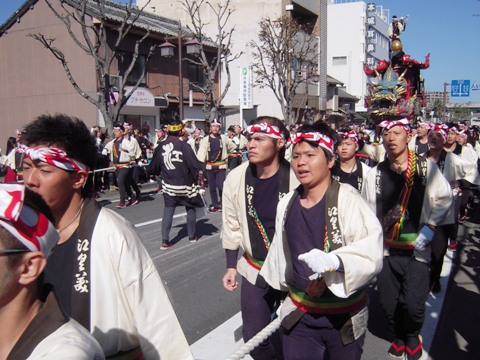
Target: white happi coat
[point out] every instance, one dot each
(129, 304)
(457, 168)
(227, 148)
(235, 233)
(69, 342)
(437, 201)
(361, 252)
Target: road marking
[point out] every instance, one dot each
(157, 220)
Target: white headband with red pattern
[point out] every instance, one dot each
(54, 157)
(322, 140)
(30, 227)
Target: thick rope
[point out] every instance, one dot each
(256, 340)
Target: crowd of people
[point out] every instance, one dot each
(310, 217)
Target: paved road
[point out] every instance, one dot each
(210, 318)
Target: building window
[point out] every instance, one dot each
(124, 61)
(339, 60)
(196, 77)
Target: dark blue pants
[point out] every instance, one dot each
(167, 220)
(258, 305)
(403, 286)
(215, 178)
(316, 338)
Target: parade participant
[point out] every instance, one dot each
(349, 169)
(175, 160)
(451, 145)
(213, 151)
(130, 142)
(33, 324)
(194, 142)
(454, 168)
(410, 197)
(103, 276)
(122, 154)
(419, 142)
(240, 141)
(327, 247)
(251, 194)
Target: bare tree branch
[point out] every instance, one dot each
(91, 18)
(221, 41)
(283, 59)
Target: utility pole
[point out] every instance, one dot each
(445, 101)
(322, 59)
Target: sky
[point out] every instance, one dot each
(447, 29)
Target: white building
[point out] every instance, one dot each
(245, 19)
(357, 35)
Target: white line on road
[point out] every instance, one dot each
(157, 220)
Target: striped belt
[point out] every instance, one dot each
(328, 304)
(121, 165)
(255, 263)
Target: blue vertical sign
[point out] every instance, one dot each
(460, 88)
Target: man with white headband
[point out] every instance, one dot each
(33, 326)
(327, 247)
(102, 274)
(252, 192)
(349, 169)
(419, 142)
(411, 198)
(454, 168)
(213, 151)
(452, 144)
(123, 151)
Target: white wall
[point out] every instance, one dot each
(346, 38)
(245, 20)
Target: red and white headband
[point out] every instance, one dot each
(441, 129)
(322, 140)
(388, 124)
(30, 227)
(264, 128)
(352, 135)
(463, 133)
(425, 124)
(54, 157)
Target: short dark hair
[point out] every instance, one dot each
(323, 128)
(70, 134)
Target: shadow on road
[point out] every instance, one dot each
(458, 336)
(204, 228)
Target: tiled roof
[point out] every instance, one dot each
(114, 12)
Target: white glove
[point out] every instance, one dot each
(105, 152)
(201, 192)
(424, 238)
(319, 261)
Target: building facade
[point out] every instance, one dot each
(357, 35)
(33, 82)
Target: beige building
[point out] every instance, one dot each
(245, 19)
(33, 82)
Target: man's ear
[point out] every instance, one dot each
(32, 266)
(79, 179)
(280, 143)
(409, 137)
